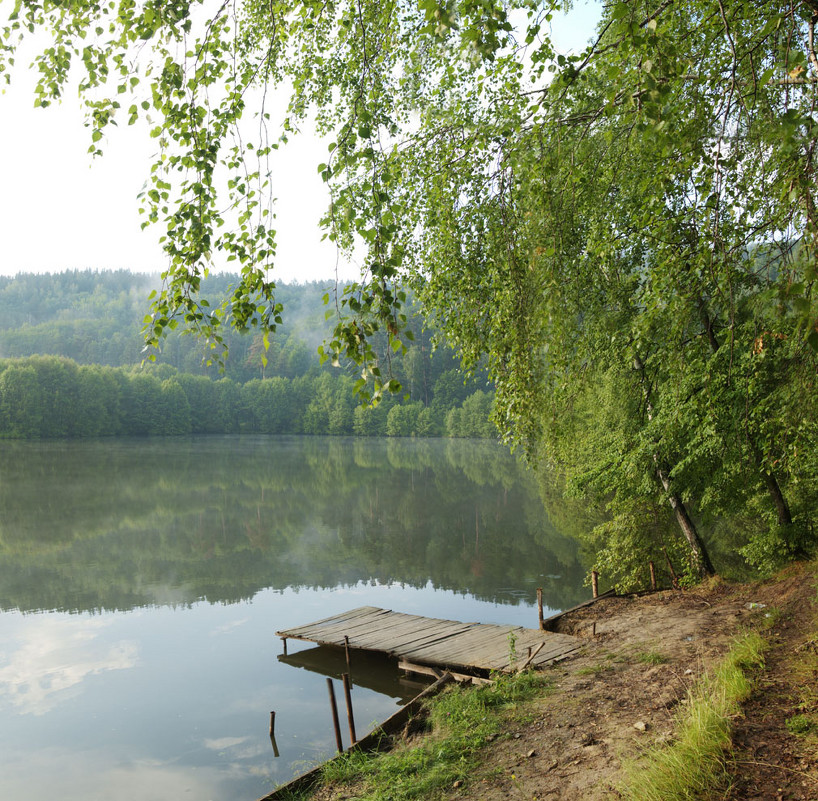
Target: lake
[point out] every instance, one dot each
(142, 583)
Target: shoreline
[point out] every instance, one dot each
(619, 697)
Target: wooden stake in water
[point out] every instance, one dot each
(350, 717)
(273, 734)
(346, 649)
(539, 607)
(335, 722)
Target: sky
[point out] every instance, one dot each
(60, 209)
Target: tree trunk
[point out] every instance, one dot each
(781, 505)
(704, 566)
(782, 508)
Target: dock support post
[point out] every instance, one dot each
(652, 575)
(346, 650)
(350, 717)
(539, 607)
(335, 723)
(284, 642)
(595, 583)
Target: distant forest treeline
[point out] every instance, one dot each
(70, 355)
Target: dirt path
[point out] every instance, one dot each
(771, 761)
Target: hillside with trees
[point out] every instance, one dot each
(72, 367)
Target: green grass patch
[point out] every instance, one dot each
(696, 762)
(462, 722)
(652, 657)
(802, 724)
(592, 670)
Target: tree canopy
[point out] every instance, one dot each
(628, 233)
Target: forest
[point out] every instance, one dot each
(71, 366)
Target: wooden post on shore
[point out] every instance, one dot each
(674, 579)
(336, 724)
(652, 575)
(595, 583)
(539, 607)
(350, 717)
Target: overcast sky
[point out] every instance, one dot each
(59, 209)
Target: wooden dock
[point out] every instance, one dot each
(437, 644)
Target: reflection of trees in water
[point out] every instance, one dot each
(93, 525)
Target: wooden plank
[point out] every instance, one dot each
(381, 641)
(408, 632)
(338, 625)
(558, 648)
(477, 637)
(381, 624)
(549, 653)
(385, 638)
(549, 621)
(335, 635)
(487, 653)
(352, 619)
(439, 633)
(444, 654)
(475, 634)
(473, 649)
(557, 652)
(430, 642)
(361, 610)
(495, 655)
(427, 670)
(467, 642)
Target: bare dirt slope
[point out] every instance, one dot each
(619, 697)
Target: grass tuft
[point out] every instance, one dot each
(695, 763)
(802, 724)
(652, 657)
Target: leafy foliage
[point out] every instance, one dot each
(92, 318)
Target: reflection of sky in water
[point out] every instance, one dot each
(48, 658)
(167, 702)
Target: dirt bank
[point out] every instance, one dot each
(619, 695)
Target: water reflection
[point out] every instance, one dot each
(116, 525)
(373, 671)
(142, 583)
(49, 659)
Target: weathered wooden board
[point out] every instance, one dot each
(433, 641)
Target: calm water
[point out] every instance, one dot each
(142, 582)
